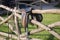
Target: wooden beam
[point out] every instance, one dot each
(50, 25)
(10, 26)
(5, 7)
(33, 11)
(46, 28)
(16, 24)
(18, 15)
(15, 37)
(6, 34)
(40, 29)
(9, 9)
(6, 19)
(46, 11)
(54, 24)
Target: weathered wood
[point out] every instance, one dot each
(5, 7)
(37, 30)
(37, 23)
(50, 25)
(33, 11)
(5, 34)
(10, 26)
(46, 11)
(16, 24)
(9, 9)
(6, 19)
(46, 28)
(54, 24)
(2, 38)
(15, 37)
(41, 29)
(18, 15)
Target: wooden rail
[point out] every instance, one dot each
(41, 26)
(54, 11)
(46, 28)
(33, 11)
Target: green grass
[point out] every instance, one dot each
(44, 35)
(48, 19)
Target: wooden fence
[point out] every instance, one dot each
(42, 27)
